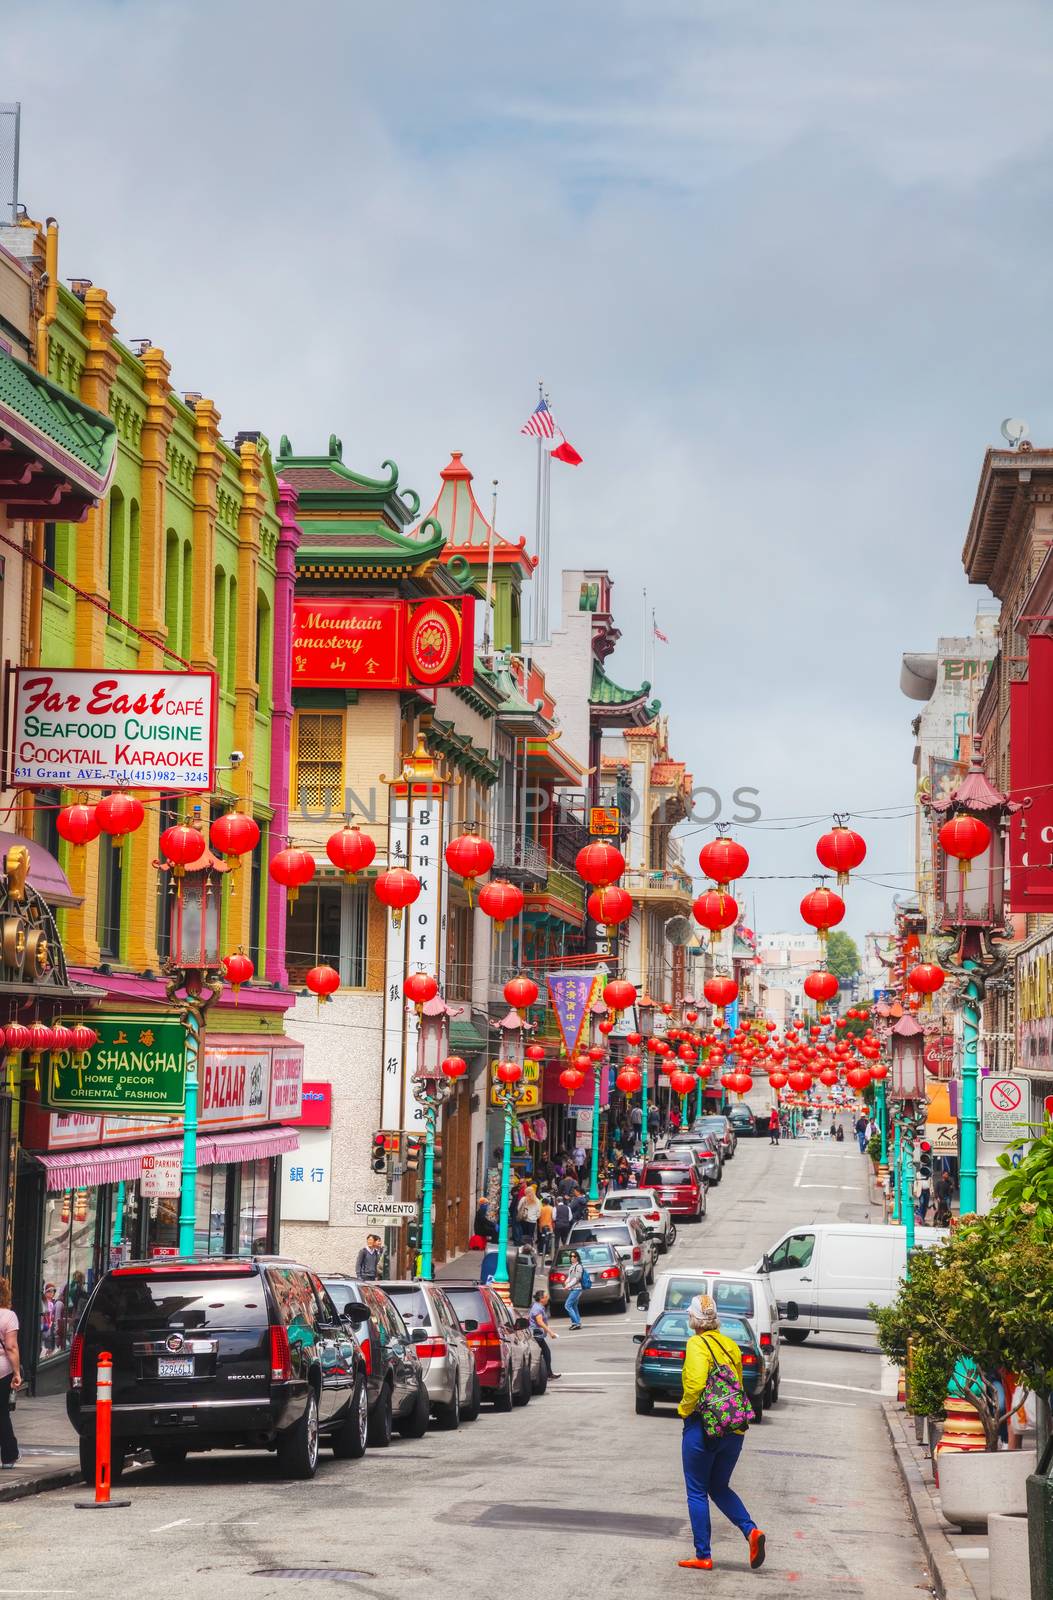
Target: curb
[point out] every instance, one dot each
(61, 1478)
(948, 1576)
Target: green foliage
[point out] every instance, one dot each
(1027, 1190)
(874, 1147)
(928, 1374)
(842, 956)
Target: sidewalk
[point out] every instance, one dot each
(957, 1561)
(48, 1446)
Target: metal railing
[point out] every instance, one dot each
(515, 856)
(670, 878)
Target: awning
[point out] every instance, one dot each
(57, 455)
(466, 1039)
(45, 874)
(86, 1169)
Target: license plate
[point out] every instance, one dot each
(184, 1368)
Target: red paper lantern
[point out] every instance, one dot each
(233, 834)
(703, 1070)
(606, 1026)
(596, 1053)
(858, 1077)
(420, 987)
(879, 1071)
(535, 1052)
(61, 1037)
(119, 814)
(509, 1071)
(322, 980)
(822, 909)
(716, 911)
(628, 1080)
(41, 1038)
(681, 1082)
(841, 851)
(239, 970)
(571, 1078)
(83, 1037)
(182, 845)
(721, 990)
(691, 1016)
(583, 1063)
(777, 1079)
(610, 905)
(741, 1082)
(631, 1059)
(828, 1076)
(619, 995)
(292, 868)
(469, 856)
(500, 900)
(723, 860)
(397, 889)
(453, 1067)
(926, 978)
(599, 864)
(78, 825)
(351, 850)
(520, 993)
(800, 1081)
(966, 837)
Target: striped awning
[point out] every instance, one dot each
(85, 1169)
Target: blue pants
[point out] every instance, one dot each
(572, 1306)
(862, 1142)
(707, 1475)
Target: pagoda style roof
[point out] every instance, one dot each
(354, 526)
(467, 529)
(618, 707)
(57, 455)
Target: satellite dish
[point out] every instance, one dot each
(1013, 430)
(679, 930)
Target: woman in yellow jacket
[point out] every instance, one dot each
(709, 1463)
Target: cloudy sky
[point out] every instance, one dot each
(783, 268)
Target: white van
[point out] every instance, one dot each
(829, 1273)
(745, 1294)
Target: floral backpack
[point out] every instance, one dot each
(724, 1405)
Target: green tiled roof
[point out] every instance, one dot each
(85, 441)
(604, 692)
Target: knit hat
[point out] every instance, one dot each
(702, 1314)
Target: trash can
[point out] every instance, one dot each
(524, 1272)
(1040, 1525)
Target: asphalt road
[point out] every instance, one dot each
(572, 1496)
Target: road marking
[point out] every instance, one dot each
(815, 1383)
(963, 1555)
(814, 1400)
(178, 1523)
(800, 1171)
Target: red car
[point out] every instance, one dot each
(507, 1357)
(679, 1188)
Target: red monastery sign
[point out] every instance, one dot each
(381, 644)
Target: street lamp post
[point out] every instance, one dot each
(192, 970)
(645, 1025)
(430, 1090)
(511, 1092)
(597, 1014)
(907, 1088)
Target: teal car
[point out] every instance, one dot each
(660, 1360)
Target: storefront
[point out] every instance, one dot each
(86, 1179)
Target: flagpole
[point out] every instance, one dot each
(489, 626)
(652, 645)
(540, 573)
(547, 527)
(643, 666)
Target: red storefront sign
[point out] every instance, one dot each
(1031, 781)
(382, 644)
(938, 1055)
(316, 1110)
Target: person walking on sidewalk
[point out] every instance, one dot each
(575, 1283)
(774, 1126)
(710, 1461)
(10, 1376)
(367, 1266)
(542, 1329)
(861, 1131)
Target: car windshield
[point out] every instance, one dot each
(411, 1301)
(211, 1301)
(668, 1177)
(613, 1232)
(341, 1293)
(672, 1327)
(592, 1255)
(628, 1202)
(469, 1304)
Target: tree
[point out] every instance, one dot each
(842, 957)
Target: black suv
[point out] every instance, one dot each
(398, 1395)
(219, 1353)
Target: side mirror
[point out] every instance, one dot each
(765, 1265)
(469, 1324)
(521, 1323)
(419, 1335)
(355, 1314)
(792, 1311)
(638, 1338)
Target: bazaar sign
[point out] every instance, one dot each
(382, 644)
(98, 729)
(137, 1065)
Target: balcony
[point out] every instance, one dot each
(569, 836)
(518, 859)
(670, 886)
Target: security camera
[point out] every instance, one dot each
(237, 757)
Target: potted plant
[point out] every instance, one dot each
(874, 1149)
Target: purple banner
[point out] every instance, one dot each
(571, 994)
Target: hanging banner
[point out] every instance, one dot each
(95, 729)
(1030, 851)
(571, 994)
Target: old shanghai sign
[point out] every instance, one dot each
(97, 729)
(138, 1065)
(381, 644)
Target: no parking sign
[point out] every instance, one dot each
(1003, 1115)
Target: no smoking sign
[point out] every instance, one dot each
(1003, 1115)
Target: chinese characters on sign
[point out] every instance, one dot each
(381, 644)
(306, 1175)
(138, 1065)
(571, 995)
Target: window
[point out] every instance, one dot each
(297, 1307)
(319, 764)
(232, 634)
(68, 1266)
(111, 883)
(46, 804)
(131, 563)
(188, 589)
(256, 939)
(793, 1253)
(50, 553)
(173, 598)
(116, 575)
(254, 1207)
(219, 627)
(354, 936)
(313, 930)
(264, 649)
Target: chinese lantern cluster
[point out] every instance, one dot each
(37, 1039)
(115, 814)
(600, 864)
(724, 860)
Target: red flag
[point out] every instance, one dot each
(566, 452)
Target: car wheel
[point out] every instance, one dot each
(503, 1395)
(470, 1410)
(415, 1425)
(169, 1457)
(795, 1335)
(757, 1402)
(349, 1440)
(449, 1415)
(87, 1461)
(540, 1383)
(775, 1390)
(298, 1446)
(650, 1276)
(525, 1387)
(644, 1404)
(379, 1432)
(622, 1304)
(670, 1238)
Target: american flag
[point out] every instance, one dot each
(658, 632)
(540, 423)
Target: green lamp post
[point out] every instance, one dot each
(645, 1009)
(432, 1087)
(511, 1091)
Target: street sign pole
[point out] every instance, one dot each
(508, 1099)
(908, 1191)
(188, 1185)
(427, 1228)
(897, 1209)
(971, 1034)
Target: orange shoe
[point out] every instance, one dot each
(756, 1549)
(698, 1561)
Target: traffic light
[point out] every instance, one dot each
(414, 1147)
(436, 1164)
(379, 1162)
(925, 1160)
(413, 1237)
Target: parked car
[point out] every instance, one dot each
(716, 1121)
(646, 1207)
(707, 1151)
(660, 1360)
(630, 1239)
(688, 1155)
(678, 1185)
(395, 1384)
(745, 1294)
(743, 1121)
(609, 1286)
(216, 1353)
(507, 1356)
(446, 1358)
